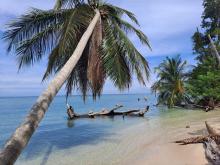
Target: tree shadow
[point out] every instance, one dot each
(73, 135)
(46, 155)
(198, 132)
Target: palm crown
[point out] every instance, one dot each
(108, 54)
(170, 85)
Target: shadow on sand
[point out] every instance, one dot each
(43, 142)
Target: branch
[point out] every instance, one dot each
(214, 49)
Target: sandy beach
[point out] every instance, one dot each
(169, 153)
(162, 150)
(172, 154)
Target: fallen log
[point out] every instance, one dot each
(109, 112)
(137, 112)
(212, 152)
(195, 106)
(112, 112)
(211, 143)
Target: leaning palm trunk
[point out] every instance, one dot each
(23, 133)
(214, 49)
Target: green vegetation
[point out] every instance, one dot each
(203, 85)
(202, 88)
(108, 54)
(170, 86)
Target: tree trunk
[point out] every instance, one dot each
(211, 103)
(214, 49)
(23, 133)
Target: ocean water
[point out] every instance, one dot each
(103, 140)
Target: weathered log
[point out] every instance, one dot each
(83, 116)
(139, 113)
(112, 112)
(211, 142)
(192, 140)
(210, 130)
(202, 139)
(93, 114)
(109, 112)
(212, 152)
(195, 106)
(198, 139)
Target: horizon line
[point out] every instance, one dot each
(79, 95)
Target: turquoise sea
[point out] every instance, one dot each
(104, 140)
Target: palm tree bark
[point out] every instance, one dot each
(214, 49)
(23, 133)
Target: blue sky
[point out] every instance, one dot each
(168, 24)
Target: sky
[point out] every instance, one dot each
(168, 24)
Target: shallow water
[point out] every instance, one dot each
(101, 140)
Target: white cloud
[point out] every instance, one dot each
(17, 7)
(166, 23)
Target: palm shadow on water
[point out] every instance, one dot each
(76, 133)
(71, 136)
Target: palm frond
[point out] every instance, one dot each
(127, 27)
(116, 66)
(119, 11)
(108, 54)
(136, 60)
(34, 34)
(170, 84)
(32, 23)
(72, 31)
(78, 78)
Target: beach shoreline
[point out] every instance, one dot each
(149, 142)
(111, 141)
(163, 151)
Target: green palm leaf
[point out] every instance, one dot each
(170, 84)
(109, 52)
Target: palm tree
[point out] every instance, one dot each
(170, 85)
(87, 43)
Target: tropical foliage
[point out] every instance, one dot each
(170, 84)
(203, 86)
(56, 33)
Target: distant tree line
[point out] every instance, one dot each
(199, 87)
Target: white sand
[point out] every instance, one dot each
(172, 154)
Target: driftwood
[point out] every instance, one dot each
(137, 112)
(211, 143)
(195, 107)
(109, 112)
(112, 112)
